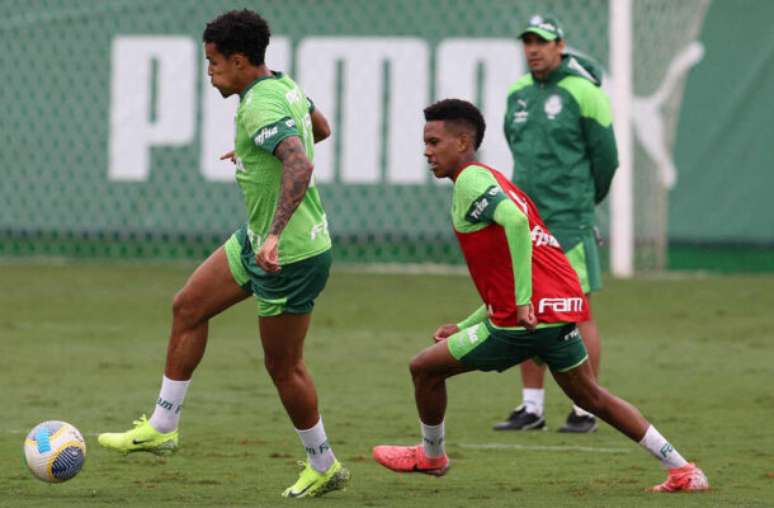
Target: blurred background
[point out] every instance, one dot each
(111, 132)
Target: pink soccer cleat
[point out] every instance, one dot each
(410, 459)
(688, 478)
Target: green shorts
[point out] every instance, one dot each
(483, 347)
(582, 250)
(292, 290)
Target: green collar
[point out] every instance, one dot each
(273, 75)
(553, 76)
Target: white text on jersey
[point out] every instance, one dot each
(561, 304)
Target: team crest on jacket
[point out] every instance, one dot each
(553, 106)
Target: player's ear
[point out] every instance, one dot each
(465, 141)
(239, 60)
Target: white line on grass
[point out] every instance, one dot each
(480, 446)
(541, 448)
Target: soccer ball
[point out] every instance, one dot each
(55, 451)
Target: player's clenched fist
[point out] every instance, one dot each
(445, 331)
(267, 256)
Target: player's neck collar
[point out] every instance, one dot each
(273, 75)
(474, 162)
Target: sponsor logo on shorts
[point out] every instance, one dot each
(574, 334)
(472, 335)
(560, 304)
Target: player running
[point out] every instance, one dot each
(282, 255)
(532, 302)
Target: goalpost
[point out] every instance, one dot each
(621, 195)
(653, 45)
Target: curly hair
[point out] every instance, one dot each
(243, 32)
(461, 113)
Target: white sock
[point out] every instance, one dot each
(532, 399)
(433, 437)
(166, 415)
(580, 411)
(660, 448)
(317, 448)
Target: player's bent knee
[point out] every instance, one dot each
(415, 366)
(282, 370)
(424, 370)
(179, 303)
(184, 309)
(419, 368)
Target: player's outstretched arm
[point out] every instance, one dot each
(296, 174)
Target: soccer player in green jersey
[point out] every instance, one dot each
(281, 255)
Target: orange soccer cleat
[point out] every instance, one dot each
(410, 459)
(683, 479)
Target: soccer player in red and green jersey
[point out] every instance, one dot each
(281, 254)
(532, 302)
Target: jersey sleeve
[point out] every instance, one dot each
(517, 233)
(269, 121)
(474, 318)
(477, 194)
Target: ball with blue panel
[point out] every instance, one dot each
(55, 451)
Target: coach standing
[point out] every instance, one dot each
(558, 124)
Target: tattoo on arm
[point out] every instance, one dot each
(296, 174)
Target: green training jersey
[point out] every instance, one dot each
(271, 109)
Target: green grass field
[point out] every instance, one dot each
(85, 343)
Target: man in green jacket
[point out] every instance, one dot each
(558, 124)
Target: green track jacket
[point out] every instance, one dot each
(560, 133)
